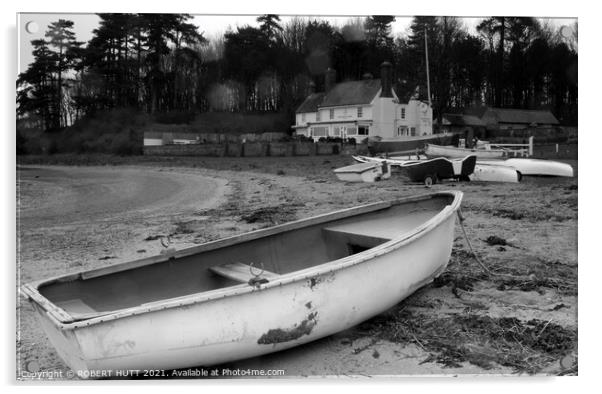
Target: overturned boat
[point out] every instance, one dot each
(535, 167)
(248, 295)
(486, 172)
(432, 170)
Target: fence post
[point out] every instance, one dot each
(531, 146)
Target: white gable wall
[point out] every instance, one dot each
(383, 121)
(415, 117)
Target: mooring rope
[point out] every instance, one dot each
(484, 267)
(477, 259)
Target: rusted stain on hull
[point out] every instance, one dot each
(312, 282)
(279, 335)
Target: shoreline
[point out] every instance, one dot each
(272, 198)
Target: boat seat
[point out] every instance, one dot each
(241, 272)
(351, 236)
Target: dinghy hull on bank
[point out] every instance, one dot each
(456, 153)
(536, 167)
(495, 173)
(364, 172)
(322, 275)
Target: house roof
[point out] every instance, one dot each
(344, 93)
(463, 120)
(311, 103)
(525, 116)
(352, 93)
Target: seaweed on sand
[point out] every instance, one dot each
(480, 340)
(271, 215)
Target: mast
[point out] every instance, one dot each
(426, 55)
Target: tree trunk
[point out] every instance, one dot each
(500, 69)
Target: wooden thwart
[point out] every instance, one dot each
(241, 272)
(354, 237)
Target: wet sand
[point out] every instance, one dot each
(76, 218)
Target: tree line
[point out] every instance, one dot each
(160, 63)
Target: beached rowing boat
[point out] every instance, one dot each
(454, 152)
(256, 293)
(380, 160)
(364, 172)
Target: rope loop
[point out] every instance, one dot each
(256, 276)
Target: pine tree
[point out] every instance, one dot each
(62, 38)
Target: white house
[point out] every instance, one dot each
(360, 109)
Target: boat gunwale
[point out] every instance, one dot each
(65, 321)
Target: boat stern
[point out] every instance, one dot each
(62, 338)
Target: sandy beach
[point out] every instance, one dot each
(75, 218)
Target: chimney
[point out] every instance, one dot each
(386, 70)
(312, 87)
(330, 79)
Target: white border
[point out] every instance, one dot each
(589, 218)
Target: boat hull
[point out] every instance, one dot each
(245, 321)
(495, 173)
(537, 167)
(437, 168)
(364, 172)
(456, 153)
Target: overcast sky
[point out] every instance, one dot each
(32, 26)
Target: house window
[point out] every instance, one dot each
(412, 131)
(402, 131)
(302, 118)
(336, 131)
(403, 113)
(362, 130)
(320, 132)
(351, 131)
(360, 111)
(332, 114)
(318, 116)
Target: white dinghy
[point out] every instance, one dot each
(364, 172)
(535, 167)
(485, 172)
(248, 295)
(485, 152)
